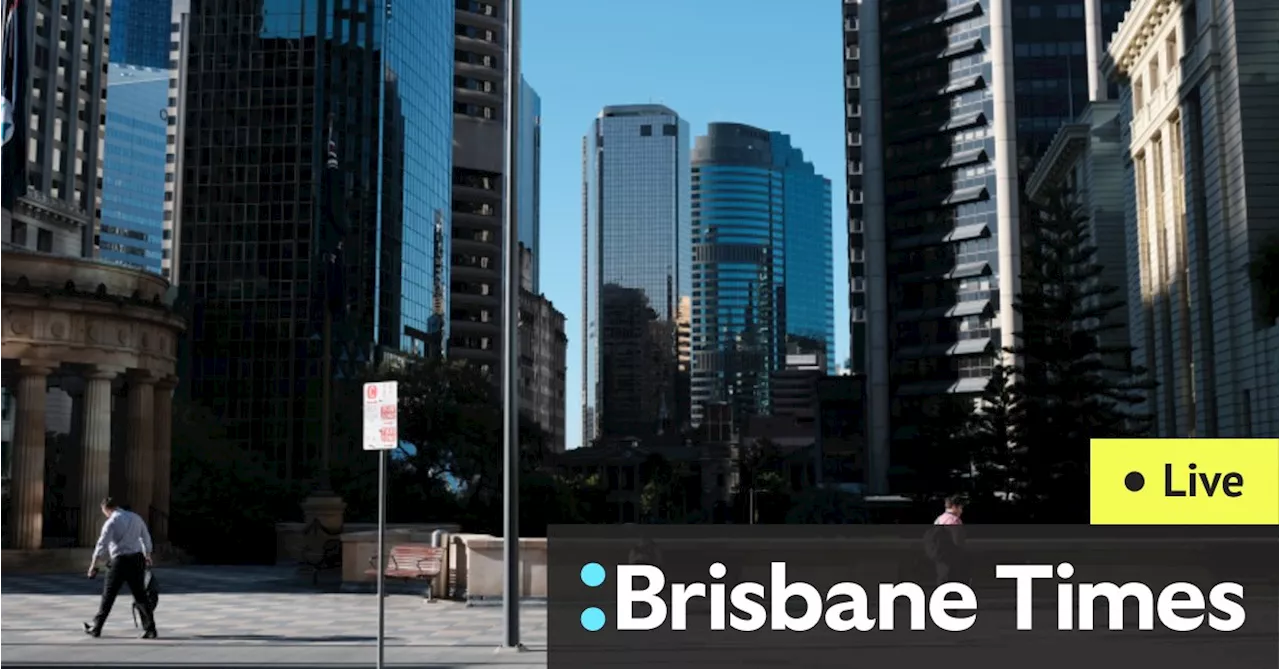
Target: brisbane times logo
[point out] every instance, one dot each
(646, 601)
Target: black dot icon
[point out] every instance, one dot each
(1134, 481)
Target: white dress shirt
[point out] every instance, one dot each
(124, 533)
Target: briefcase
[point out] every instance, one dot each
(153, 596)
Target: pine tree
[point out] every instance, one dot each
(1075, 382)
(994, 441)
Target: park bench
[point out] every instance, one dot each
(321, 550)
(412, 562)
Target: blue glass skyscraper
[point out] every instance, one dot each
(762, 267)
(132, 226)
(529, 174)
(636, 270)
(133, 166)
(140, 32)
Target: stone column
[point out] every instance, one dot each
(140, 454)
(164, 457)
(27, 484)
(95, 463)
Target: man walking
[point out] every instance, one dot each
(127, 542)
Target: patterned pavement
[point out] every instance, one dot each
(254, 616)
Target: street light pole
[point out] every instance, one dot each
(510, 343)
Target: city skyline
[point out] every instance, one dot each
(624, 69)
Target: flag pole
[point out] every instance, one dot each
(327, 259)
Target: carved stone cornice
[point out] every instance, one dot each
(61, 310)
(40, 206)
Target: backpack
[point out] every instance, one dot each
(152, 592)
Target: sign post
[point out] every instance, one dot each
(381, 434)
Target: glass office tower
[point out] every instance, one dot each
(1050, 70)
(263, 84)
(762, 275)
(636, 270)
(529, 176)
(140, 32)
(133, 166)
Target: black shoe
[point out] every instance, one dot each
(149, 634)
(92, 631)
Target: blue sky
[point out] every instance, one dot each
(775, 65)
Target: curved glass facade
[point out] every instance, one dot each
(762, 265)
(417, 181)
(635, 272)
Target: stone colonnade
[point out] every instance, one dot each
(147, 451)
(90, 328)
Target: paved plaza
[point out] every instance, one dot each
(250, 617)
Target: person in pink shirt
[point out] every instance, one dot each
(952, 510)
(945, 545)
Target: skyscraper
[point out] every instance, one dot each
(53, 165)
(479, 144)
(636, 270)
(261, 91)
(140, 32)
(133, 167)
(937, 142)
(933, 209)
(762, 276)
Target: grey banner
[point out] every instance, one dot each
(1179, 596)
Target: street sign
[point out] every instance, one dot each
(381, 424)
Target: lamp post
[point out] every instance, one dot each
(510, 343)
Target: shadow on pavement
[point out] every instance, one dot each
(180, 580)
(279, 638)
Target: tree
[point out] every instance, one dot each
(826, 506)
(225, 501)
(450, 418)
(1074, 383)
(941, 453)
(993, 438)
(763, 495)
(664, 498)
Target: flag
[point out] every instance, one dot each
(13, 179)
(333, 230)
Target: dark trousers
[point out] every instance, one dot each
(131, 570)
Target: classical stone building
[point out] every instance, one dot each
(1198, 105)
(102, 338)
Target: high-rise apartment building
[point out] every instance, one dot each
(543, 347)
(260, 92)
(1198, 116)
(933, 215)
(53, 165)
(762, 277)
(479, 80)
(636, 270)
(133, 167)
(930, 281)
(140, 32)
